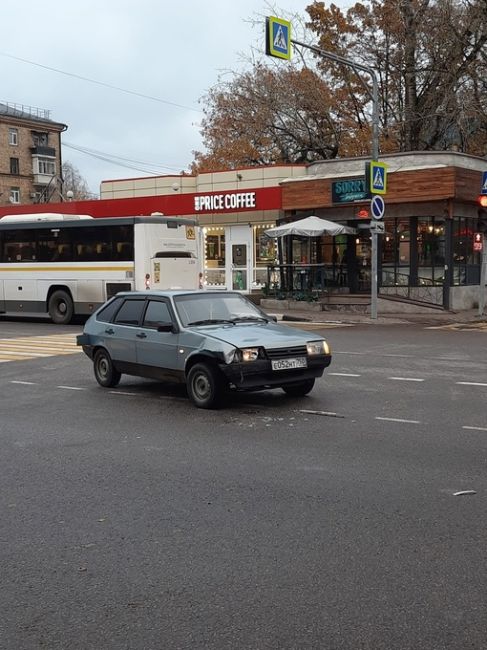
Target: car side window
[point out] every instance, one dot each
(156, 312)
(106, 314)
(130, 312)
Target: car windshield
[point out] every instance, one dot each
(210, 308)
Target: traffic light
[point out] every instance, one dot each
(482, 214)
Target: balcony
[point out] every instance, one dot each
(43, 179)
(42, 150)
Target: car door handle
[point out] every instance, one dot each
(141, 335)
(109, 330)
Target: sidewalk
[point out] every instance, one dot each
(433, 318)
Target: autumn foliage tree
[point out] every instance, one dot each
(431, 59)
(265, 116)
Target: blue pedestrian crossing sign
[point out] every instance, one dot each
(376, 174)
(278, 37)
(483, 189)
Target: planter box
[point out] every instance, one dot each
(297, 305)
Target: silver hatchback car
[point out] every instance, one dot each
(211, 341)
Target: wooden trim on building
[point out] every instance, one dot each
(435, 184)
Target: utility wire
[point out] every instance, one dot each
(109, 159)
(101, 83)
(115, 158)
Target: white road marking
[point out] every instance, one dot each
(121, 392)
(405, 379)
(398, 420)
(342, 374)
(34, 347)
(25, 383)
(475, 428)
(470, 383)
(71, 387)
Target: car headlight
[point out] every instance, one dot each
(318, 347)
(249, 354)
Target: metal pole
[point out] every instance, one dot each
(483, 277)
(374, 150)
(375, 156)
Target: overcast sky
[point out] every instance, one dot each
(172, 51)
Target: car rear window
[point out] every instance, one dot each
(130, 312)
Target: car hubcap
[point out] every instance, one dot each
(201, 386)
(61, 307)
(103, 367)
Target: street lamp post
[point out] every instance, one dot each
(374, 95)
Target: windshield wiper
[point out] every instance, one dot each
(210, 321)
(240, 319)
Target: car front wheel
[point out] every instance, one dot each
(105, 373)
(205, 387)
(299, 389)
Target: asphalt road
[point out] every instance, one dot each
(132, 520)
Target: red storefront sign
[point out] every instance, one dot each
(266, 198)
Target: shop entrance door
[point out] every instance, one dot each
(238, 254)
(362, 267)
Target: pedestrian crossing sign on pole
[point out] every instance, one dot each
(376, 174)
(278, 38)
(483, 189)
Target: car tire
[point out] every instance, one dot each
(300, 388)
(105, 372)
(205, 386)
(61, 307)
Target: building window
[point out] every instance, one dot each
(39, 139)
(14, 166)
(46, 166)
(13, 137)
(14, 195)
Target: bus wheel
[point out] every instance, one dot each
(105, 373)
(61, 308)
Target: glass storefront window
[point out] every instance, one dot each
(466, 262)
(214, 263)
(265, 253)
(431, 250)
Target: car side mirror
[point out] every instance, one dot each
(165, 327)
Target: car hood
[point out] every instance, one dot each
(268, 335)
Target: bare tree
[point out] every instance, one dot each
(74, 182)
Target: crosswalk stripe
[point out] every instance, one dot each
(37, 347)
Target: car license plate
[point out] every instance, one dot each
(289, 364)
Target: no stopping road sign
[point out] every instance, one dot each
(377, 207)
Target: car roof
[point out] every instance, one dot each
(172, 293)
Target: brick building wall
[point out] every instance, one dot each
(20, 153)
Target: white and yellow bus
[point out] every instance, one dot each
(66, 265)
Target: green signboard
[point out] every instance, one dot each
(349, 190)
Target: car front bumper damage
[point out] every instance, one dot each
(252, 375)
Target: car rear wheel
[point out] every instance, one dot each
(61, 308)
(105, 373)
(299, 389)
(205, 386)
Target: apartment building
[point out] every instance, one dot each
(30, 155)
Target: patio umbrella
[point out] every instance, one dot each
(310, 227)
